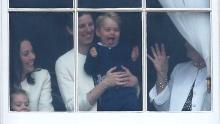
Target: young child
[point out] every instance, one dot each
(106, 54)
(19, 101)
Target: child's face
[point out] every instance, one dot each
(109, 32)
(20, 102)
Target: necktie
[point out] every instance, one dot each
(188, 104)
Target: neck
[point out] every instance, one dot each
(23, 76)
(83, 49)
(199, 64)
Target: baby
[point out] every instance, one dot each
(19, 101)
(109, 53)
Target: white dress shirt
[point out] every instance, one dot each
(174, 96)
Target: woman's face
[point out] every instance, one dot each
(86, 30)
(27, 56)
(19, 102)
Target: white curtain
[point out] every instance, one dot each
(194, 26)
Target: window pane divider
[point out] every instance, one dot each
(41, 9)
(110, 9)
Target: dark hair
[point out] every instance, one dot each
(84, 13)
(16, 65)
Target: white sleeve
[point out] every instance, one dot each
(83, 102)
(45, 101)
(66, 84)
(162, 100)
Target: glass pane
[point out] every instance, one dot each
(178, 3)
(109, 3)
(185, 71)
(117, 42)
(41, 3)
(37, 40)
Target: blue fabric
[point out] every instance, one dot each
(116, 98)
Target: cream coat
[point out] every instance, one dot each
(39, 94)
(65, 78)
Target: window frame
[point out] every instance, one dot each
(202, 117)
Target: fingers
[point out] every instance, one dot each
(148, 56)
(158, 52)
(153, 52)
(111, 69)
(163, 52)
(126, 69)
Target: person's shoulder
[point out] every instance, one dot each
(184, 65)
(65, 57)
(40, 71)
(40, 74)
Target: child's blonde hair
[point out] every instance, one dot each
(114, 16)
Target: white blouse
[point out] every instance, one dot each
(85, 85)
(39, 94)
(65, 78)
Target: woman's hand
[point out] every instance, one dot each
(121, 78)
(159, 59)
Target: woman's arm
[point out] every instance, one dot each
(65, 82)
(160, 62)
(45, 101)
(160, 93)
(112, 79)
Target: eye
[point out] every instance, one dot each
(107, 29)
(81, 26)
(25, 53)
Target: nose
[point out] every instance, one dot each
(32, 56)
(89, 28)
(25, 108)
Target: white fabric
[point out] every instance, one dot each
(175, 94)
(85, 85)
(39, 94)
(195, 27)
(65, 78)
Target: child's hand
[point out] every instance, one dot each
(93, 52)
(134, 53)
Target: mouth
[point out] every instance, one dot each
(111, 40)
(88, 35)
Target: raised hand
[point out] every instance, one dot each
(159, 59)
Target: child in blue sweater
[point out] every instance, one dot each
(110, 53)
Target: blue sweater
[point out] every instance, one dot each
(107, 58)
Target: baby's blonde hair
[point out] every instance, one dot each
(114, 16)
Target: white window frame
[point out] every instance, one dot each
(145, 116)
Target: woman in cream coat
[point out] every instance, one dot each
(35, 81)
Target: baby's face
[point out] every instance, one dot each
(20, 103)
(109, 32)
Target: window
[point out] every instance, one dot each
(144, 22)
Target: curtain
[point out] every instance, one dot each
(194, 26)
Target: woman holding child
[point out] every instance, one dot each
(88, 93)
